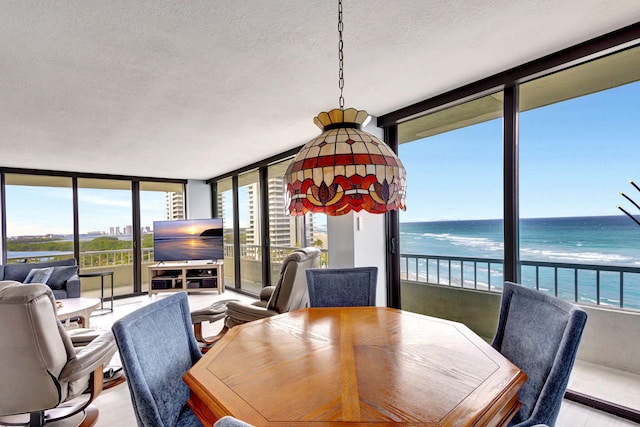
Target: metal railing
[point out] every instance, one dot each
(111, 258)
(91, 259)
(608, 285)
(278, 253)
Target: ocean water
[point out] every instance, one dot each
(595, 240)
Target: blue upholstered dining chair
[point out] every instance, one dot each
(157, 347)
(540, 334)
(342, 287)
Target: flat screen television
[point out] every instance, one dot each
(188, 240)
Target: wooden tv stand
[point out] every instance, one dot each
(186, 276)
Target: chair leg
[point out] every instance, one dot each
(210, 341)
(36, 419)
(197, 331)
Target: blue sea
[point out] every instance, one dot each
(595, 240)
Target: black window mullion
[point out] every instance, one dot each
(137, 237)
(392, 224)
(236, 232)
(510, 185)
(76, 219)
(264, 225)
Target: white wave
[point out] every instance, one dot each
(472, 242)
(586, 257)
(477, 242)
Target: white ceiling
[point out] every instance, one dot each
(196, 88)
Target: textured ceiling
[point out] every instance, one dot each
(193, 89)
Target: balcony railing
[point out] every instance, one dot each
(111, 258)
(278, 253)
(91, 259)
(612, 286)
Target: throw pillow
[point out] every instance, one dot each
(60, 276)
(39, 275)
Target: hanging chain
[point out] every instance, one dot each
(340, 56)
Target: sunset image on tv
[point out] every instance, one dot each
(188, 240)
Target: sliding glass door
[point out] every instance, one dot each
(452, 233)
(106, 233)
(224, 189)
(159, 201)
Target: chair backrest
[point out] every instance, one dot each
(157, 347)
(291, 291)
(34, 348)
(342, 287)
(540, 334)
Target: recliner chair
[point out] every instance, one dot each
(44, 378)
(289, 294)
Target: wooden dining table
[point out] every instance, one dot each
(357, 366)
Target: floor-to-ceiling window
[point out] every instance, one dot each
(250, 213)
(451, 233)
(567, 149)
(224, 190)
(259, 232)
(40, 214)
(39, 217)
(159, 201)
(287, 232)
(106, 232)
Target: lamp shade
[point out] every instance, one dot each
(345, 169)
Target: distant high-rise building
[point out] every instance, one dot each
(253, 230)
(285, 231)
(175, 206)
(128, 230)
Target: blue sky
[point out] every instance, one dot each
(34, 211)
(576, 157)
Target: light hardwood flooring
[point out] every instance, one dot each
(115, 403)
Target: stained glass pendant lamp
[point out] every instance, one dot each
(345, 168)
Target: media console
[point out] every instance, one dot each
(187, 276)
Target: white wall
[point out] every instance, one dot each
(198, 199)
(358, 239)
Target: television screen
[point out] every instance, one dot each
(188, 240)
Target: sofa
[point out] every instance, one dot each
(61, 276)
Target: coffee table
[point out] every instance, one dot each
(77, 307)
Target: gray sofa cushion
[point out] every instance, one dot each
(60, 275)
(39, 275)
